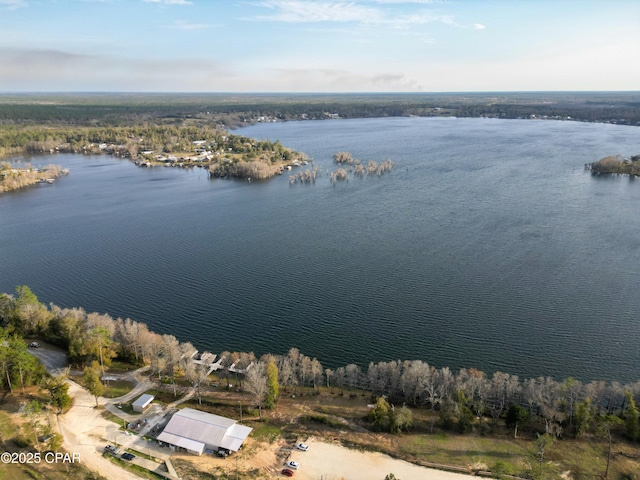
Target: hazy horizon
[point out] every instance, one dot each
(323, 46)
(310, 93)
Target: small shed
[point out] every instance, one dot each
(142, 402)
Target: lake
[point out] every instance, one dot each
(488, 246)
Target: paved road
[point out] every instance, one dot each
(52, 357)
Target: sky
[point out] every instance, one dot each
(319, 45)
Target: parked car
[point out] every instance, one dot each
(293, 464)
(34, 345)
(287, 473)
(222, 452)
(112, 450)
(128, 456)
(302, 446)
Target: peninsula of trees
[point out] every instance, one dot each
(223, 154)
(13, 177)
(407, 397)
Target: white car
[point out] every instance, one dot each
(302, 446)
(293, 464)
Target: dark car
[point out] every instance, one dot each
(128, 456)
(288, 473)
(34, 345)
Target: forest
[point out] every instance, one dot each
(465, 401)
(236, 110)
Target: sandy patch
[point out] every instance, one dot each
(83, 429)
(334, 462)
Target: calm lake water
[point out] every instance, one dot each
(488, 246)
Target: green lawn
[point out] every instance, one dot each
(117, 388)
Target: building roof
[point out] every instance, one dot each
(235, 436)
(186, 443)
(205, 428)
(143, 400)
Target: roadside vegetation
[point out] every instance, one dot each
(533, 428)
(28, 425)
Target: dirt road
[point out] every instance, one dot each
(83, 429)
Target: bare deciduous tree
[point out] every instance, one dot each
(256, 384)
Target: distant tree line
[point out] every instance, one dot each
(230, 111)
(567, 408)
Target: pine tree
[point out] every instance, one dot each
(631, 416)
(273, 389)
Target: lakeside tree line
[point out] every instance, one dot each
(558, 408)
(130, 140)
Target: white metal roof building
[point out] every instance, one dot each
(142, 402)
(198, 431)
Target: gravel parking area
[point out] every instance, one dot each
(333, 462)
(53, 358)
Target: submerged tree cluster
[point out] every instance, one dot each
(358, 168)
(349, 167)
(305, 176)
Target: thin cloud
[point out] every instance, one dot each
(169, 2)
(338, 11)
(182, 25)
(26, 58)
(479, 26)
(21, 68)
(12, 4)
(290, 79)
(396, 2)
(302, 11)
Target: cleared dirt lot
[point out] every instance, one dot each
(334, 462)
